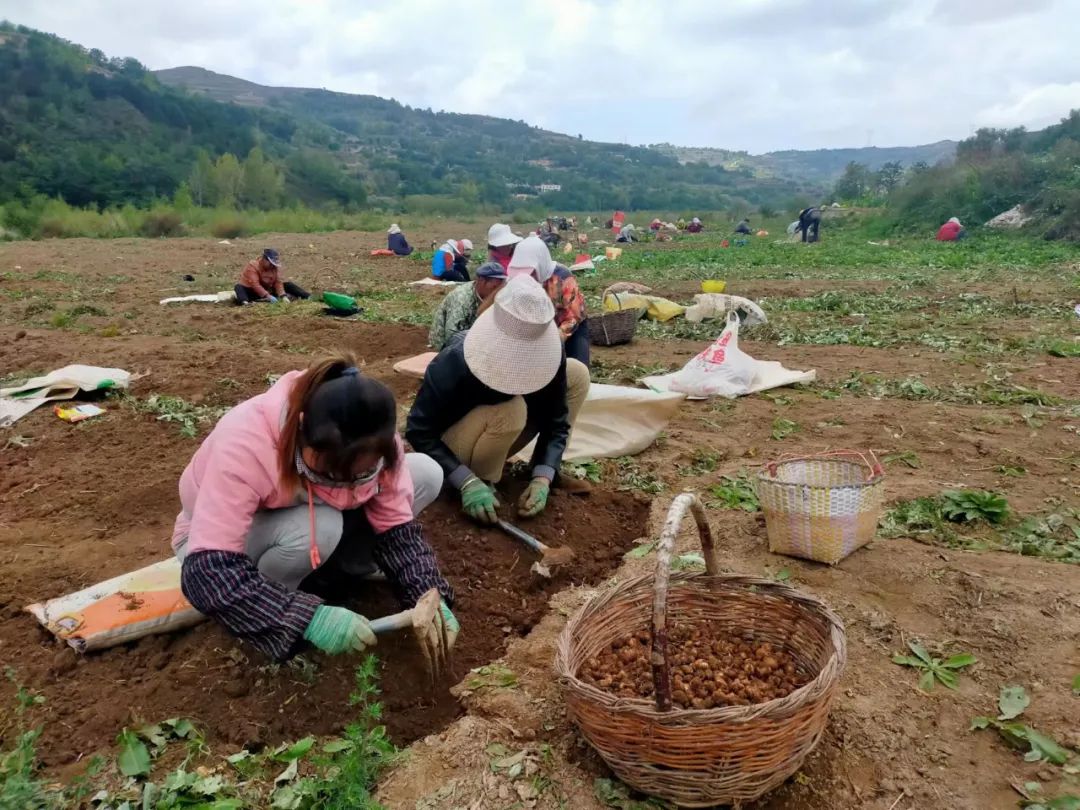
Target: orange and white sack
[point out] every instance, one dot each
(124, 608)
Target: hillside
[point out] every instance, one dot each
(407, 151)
(103, 131)
(94, 130)
(821, 166)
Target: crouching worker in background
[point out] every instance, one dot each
(261, 281)
(309, 476)
(951, 231)
(396, 241)
(451, 261)
(463, 304)
(489, 393)
(532, 257)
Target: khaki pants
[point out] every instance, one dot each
(490, 434)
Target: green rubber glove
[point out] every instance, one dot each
(534, 499)
(450, 622)
(336, 630)
(479, 501)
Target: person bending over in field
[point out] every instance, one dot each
(491, 391)
(261, 281)
(951, 231)
(809, 223)
(308, 476)
(451, 261)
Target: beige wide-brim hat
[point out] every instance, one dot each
(514, 347)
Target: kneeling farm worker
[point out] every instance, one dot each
(489, 393)
(310, 475)
(261, 281)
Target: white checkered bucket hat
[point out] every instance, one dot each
(514, 347)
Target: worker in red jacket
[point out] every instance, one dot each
(951, 231)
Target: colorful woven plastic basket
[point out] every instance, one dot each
(821, 507)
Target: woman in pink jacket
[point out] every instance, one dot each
(310, 475)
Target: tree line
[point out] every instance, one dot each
(993, 171)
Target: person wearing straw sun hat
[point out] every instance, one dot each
(488, 394)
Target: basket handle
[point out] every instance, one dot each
(603, 321)
(604, 295)
(872, 463)
(661, 669)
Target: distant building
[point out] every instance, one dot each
(546, 187)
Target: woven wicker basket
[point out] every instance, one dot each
(699, 758)
(821, 507)
(613, 328)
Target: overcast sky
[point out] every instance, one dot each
(757, 75)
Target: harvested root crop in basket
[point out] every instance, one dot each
(706, 672)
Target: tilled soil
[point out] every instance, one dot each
(238, 697)
(85, 502)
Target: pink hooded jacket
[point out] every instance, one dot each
(235, 473)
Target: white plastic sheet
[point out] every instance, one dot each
(617, 420)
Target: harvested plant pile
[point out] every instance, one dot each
(706, 673)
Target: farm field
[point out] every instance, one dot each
(957, 364)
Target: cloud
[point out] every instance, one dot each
(744, 74)
(1039, 106)
(974, 12)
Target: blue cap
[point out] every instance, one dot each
(272, 256)
(491, 270)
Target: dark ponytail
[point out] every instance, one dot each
(344, 414)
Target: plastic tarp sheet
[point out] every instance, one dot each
(124, 608)
(64, 383)
(434, 282)
(616, 420)
(225, 297)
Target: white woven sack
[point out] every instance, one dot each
(723, 369)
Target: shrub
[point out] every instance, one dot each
(162, 223)
(51, 228)
(229, 226)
